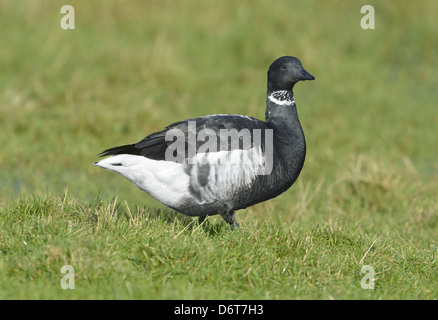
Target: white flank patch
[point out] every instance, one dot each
(174, 183)
(229, 172)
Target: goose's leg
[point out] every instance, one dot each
(230, 217)
(201, 219)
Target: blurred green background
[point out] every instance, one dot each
(366, 195)
(132, 67)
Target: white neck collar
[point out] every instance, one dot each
(282, 98)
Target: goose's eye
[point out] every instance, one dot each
(284, 67)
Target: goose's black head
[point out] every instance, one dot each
(285, 72)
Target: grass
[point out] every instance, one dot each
(119, 252)
(366, 196)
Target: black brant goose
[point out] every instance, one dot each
(221, 163)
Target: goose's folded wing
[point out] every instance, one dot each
(196, 132)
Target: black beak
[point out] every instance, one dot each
(306, 76)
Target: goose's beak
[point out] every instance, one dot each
(306, 76)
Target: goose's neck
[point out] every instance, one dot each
(281, 110)
(282, 116)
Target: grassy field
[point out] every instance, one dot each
(367, 195)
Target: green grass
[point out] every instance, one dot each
(118, 252)
(366, 196)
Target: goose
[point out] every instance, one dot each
(221, 163)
